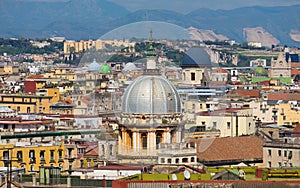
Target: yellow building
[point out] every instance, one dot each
(9, 70)
(31, 157)
(288, 114)
(27, 103)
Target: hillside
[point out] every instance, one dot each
(84, 19)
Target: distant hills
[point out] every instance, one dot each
(84, 19)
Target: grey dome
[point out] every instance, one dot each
(151, 94)
(94, 66)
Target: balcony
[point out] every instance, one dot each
(60, 159)
(274, 109)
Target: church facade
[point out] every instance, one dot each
(281, 67)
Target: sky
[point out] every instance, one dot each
(186, 6)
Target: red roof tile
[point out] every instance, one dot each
(249, 93)
(284, 96)
(236, 148)
(93, 151)
(295, 72)
(220, 70)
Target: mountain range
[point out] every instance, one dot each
(90, 19)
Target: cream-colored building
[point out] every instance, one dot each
(196, 67)
(282, 154)
(230, 122)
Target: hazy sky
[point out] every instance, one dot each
(185, 6)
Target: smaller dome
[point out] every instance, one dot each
(129, 67)
(105, 69)
(196, 57)
(94, 66)
(260, 71)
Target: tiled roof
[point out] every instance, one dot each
(35, 76)
(93, 152)
(295, 65)
(220, 70)
(284, 96)
(225, 149)
(296, 131)
(249, 93)
(216, 83)
(295, 72)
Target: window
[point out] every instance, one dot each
(31, 154)
(169, 161)
(284, 117)
(279, 164)
(193, 76)
(185, 160)
(158, 139)
(285, 153)
(111, 149)
(162, 160)
(279, 153)
(290, 155)
(176, 160)
(249, 125)
(42, 154)
(5, 155)
(20, 155)
(214, 125)
(28, 110)
(193, 106)
(18, 109)
(192, 159)
(228, 125)
(144, 141)
(269, 152)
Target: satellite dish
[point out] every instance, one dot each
(174, 177)
(187, 175)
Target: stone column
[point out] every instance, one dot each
(138, 141)
(134, 141)
(152, 143)
(178, 135)
(167, 136)
(120, 143)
